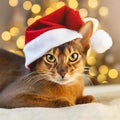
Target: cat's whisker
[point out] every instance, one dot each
(81, 68)
(88, 80)
(86, 69)
(85, 66)
(34, 77)
(86, 77)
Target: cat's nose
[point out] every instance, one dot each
(62, 72)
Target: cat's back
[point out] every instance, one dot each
(11, 68)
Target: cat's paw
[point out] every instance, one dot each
(85, 99)
(62, 103)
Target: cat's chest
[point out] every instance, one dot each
(70, 92)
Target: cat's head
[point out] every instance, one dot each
(66, 62)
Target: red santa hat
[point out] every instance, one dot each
(51, 31)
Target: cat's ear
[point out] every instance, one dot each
(86, 30)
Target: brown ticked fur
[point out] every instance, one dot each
(52, 84)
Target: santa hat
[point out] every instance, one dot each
(51, 31)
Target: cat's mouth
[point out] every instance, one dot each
(63, 81)
(66, 80)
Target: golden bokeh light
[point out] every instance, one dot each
(14, 31)
(27, 5)
(13, 3)
(30, 21)
(101, 78)
(49, 10)
(104, 82)
(17, 52)
(91, 52)
(6, 36)
(93, 3)
(11, 50)
(20, 53)
(60, 4)
(91, 60)
(20, 42)
(103, 11)
(73, 4)
(103, 69)
(113, 73)
(36, 8)
(37, 17)
(83, 12)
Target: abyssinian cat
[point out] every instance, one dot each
(55, 80)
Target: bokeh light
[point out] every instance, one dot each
(91, 60)
(93, 3)
(101, 78)
(18, 52)
(49, 10)
(6, 35)
(36, 8)
(12, 51)
(13, 3)
(73, 4)
(20, 42)
(37, 17)
(113, 73)
(83, 12)
(14, 31)
(30, 21)
(27, 5)
(103, 69)
(60, 4)
(103, 11)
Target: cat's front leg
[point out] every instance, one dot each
(62, 103)
(85, 99)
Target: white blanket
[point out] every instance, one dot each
(105, 107)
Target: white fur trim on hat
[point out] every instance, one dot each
(48, 40)
(101, 41)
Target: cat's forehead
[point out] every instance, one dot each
(62, 50)
(66, 48)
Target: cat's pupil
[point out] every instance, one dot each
(50, 58)
(73, 57)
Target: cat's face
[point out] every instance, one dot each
(64, 63)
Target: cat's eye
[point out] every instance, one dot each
(73, 57)
(50, 58)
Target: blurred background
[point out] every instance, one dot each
(16, 15)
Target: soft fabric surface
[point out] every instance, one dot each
(105, 107)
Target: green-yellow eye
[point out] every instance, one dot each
(73, 57)
(50, 58)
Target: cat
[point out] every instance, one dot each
(55, 80)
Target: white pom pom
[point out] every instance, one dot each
(100, 41)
